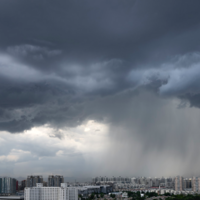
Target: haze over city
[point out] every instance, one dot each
(99, 88)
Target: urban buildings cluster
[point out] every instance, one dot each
(177, 184)
(53, 181)
(54, 188)
(111, 179)
(140, 182)
(182, 184)
(35, 188)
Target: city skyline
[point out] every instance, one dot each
(99, 87)
(160, 185)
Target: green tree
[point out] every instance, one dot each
(138, 193)
(130, 194)
(102, 195)
(112, 195)
(92, 196)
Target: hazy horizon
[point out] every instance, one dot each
(90, 88)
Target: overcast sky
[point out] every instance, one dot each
(99, 87)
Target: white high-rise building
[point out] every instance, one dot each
(179, 183)
(133, 181)
(196, 184)
(51, 193)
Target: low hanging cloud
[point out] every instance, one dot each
(61, 98)
(36, 52)
(178, 78)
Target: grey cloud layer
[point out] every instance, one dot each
(64, 62)
(61, 98)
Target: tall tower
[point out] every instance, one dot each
(55, 180)
(8, 185)
(195, 184)
(32, 180)
(179, 183)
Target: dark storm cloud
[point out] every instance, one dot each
(133, 65)
(58, 56)
(93, 30)
(123, 63)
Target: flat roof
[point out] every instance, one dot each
(11, 197)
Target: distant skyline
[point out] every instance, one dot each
(89, 179)
(99, 87)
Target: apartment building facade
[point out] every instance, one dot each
(55, 180)
(179, 186)
(33, 180)
(7, 185)
(51, 193)
(195, 184)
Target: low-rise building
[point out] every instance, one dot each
(89, 189)
(124, 195)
